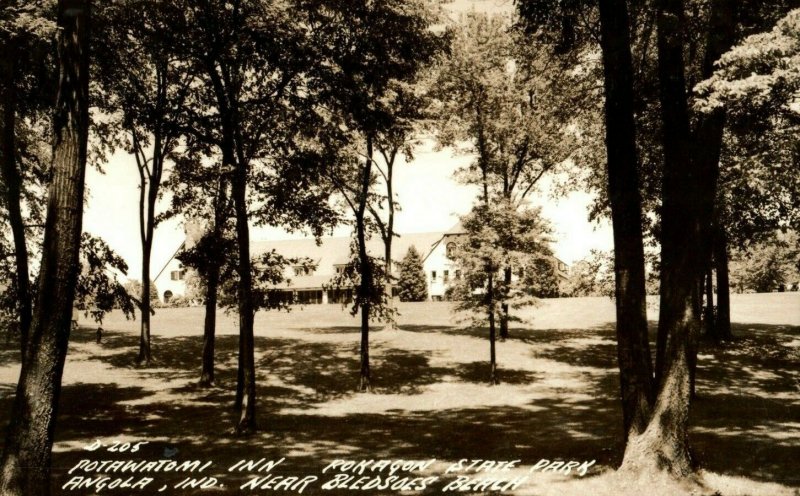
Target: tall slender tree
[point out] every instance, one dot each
(145, 96)
(371, 49)
(26, 77)
(506, 100)
(27, 452)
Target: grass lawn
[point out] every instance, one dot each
(557, 399)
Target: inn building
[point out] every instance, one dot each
(331, 256)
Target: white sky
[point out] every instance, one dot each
(430, 200)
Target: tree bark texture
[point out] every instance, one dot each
(633, 348)
(493, 378)
(366, 283)
(27, 455)
(504, 307)
(247, 419)
(389, 285)
(12, 187)
(212, 288)
(664, 447)
(723, 321)
(710, 127)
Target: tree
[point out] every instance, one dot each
(248, 56)
(766, 266)
(134, 288)
(591, 276)
(759, 180)
(540, 277)
(412, 285)
(144, 95)
(504, 102)
(498, 235)
(663, 446)
(373, 54)
(29, 440)
(26, 73)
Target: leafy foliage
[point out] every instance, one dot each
(757, 83)
(412, 285)
(373, 296)
(591, 276)
(134, 288)
(497, 237)
(271, 287)
(770, 265)
(540, 277)
(98, 290)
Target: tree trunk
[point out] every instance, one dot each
(504, 307)
(27, 455)
(633, 348)
(247, 418)
(723, 321)
(366, 283)
(145, 356)
(12, 189)
(150, 183)
(210, 325)
(212, 288)
(664, 447)
(708, 136)
(711, 327)
(389, 286)
(493, 378)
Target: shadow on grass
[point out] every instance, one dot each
(744, 420)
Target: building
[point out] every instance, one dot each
(331, 256)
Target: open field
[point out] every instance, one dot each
(557, 398)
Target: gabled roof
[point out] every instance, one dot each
(458, 228)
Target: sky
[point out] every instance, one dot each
(430, 199)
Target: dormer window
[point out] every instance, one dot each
(451, 250)
(300, 270)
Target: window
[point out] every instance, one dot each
(458, 274)
(451, 250)
(299, 270)
(433, 275)
(178, 275)
(446, 276)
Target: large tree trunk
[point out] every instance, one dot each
(633, 348)
(29, 441)
(12, 186)
(723, 322)
(664, 447)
